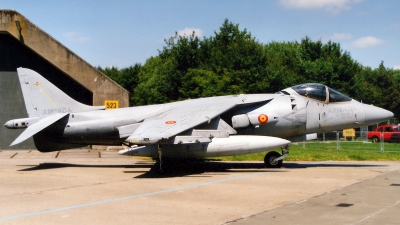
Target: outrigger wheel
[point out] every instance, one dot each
(270, 161)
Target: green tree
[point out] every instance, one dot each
(378, 87)
(232, 61)
(155, 83)
(236, 57)
(188, 67)
(126, 77)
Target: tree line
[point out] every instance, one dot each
(232, 61)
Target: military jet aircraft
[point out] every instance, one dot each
(214, 126)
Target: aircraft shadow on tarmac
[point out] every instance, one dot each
(46, 166)
(200, 167)
(197, 167)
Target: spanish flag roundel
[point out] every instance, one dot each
(170, 122)
(262, 118)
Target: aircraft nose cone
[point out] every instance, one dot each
(375, 114)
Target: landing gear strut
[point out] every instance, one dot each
(160, 158)
(274, 159)
(159, 162)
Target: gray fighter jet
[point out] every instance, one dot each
(214, 126)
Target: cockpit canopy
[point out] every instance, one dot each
(320, 92)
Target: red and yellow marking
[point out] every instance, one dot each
(262, 118)
(170, 122)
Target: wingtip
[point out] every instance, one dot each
(16, 141)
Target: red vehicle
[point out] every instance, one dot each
(389, 132)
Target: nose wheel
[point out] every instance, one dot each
(271, 161)
(274, 159)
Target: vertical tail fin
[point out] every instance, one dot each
(42, 98)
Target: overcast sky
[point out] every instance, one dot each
(124, 32)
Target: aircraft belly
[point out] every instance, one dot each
(279, 129)
(45, 144)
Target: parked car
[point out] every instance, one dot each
(389, 133)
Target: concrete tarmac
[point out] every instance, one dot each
(102, 187)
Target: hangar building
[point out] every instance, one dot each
(23, 44)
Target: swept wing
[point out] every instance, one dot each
(183, 116)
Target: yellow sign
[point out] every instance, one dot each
(111, 104)
(349, 133)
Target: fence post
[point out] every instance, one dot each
(382, 142)
(363, 134)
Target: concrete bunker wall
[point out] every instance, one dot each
(32, 37)
(23, 44)
(14, 54)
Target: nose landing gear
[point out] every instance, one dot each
(274, 159)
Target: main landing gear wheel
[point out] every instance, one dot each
(270, 161)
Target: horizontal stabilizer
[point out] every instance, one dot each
(38, 126)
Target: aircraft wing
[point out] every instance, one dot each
(184, 116)
(36, 127)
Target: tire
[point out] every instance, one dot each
(269, 160)
(375, 139)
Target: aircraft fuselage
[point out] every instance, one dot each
(288, 116)
(214, 126)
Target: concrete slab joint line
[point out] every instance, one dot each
(385, 196)
(376, 213)
(129, 197)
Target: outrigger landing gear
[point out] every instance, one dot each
(159, 162)
(160, 159)
(274, 159)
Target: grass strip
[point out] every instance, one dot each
(321, 151)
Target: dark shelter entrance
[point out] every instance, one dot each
(14, 54)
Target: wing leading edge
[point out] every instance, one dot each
(184, 116)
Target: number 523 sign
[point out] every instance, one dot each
(111, 104)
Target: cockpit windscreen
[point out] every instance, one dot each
(335, 96)
(320, 92)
